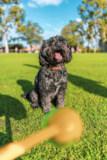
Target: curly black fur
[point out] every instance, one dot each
(50, 86)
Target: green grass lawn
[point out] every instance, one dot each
(86, 93)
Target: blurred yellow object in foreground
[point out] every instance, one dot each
(63, 127)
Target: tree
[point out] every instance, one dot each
(94, 15)
(70, 32)
(31, 33)
(10, 15)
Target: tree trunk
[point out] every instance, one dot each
(88, 45)
(103, 46)
(31, 47)
(6, 44)
(95, 50)
(95, 47)
(5, 38)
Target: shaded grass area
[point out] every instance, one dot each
(86, 93)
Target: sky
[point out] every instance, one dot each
(51, 15)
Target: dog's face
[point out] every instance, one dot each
(55, 50)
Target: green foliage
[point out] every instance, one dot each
(31, 33)
(1, 13)
(92, 50)
(94, 14)
(9, 1)
(71, 40)
(71, 33)
(12, 15)
(1, 33)
(16, 15)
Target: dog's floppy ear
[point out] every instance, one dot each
(68, 56)
(42, 60)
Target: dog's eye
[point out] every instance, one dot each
(50, 43)
(64, 42)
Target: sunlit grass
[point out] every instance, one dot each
(86, 93)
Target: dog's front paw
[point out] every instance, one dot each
(46, 110)
(34, 106)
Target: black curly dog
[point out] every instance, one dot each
(51, 81)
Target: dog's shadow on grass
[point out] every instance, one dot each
(37, 67)
(88, 85)
(26, 86)
(10, 108)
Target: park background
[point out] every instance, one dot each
(25, 24)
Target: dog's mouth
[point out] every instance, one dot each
(58, 55)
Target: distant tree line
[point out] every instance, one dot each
(13, 46)
(92, 27)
